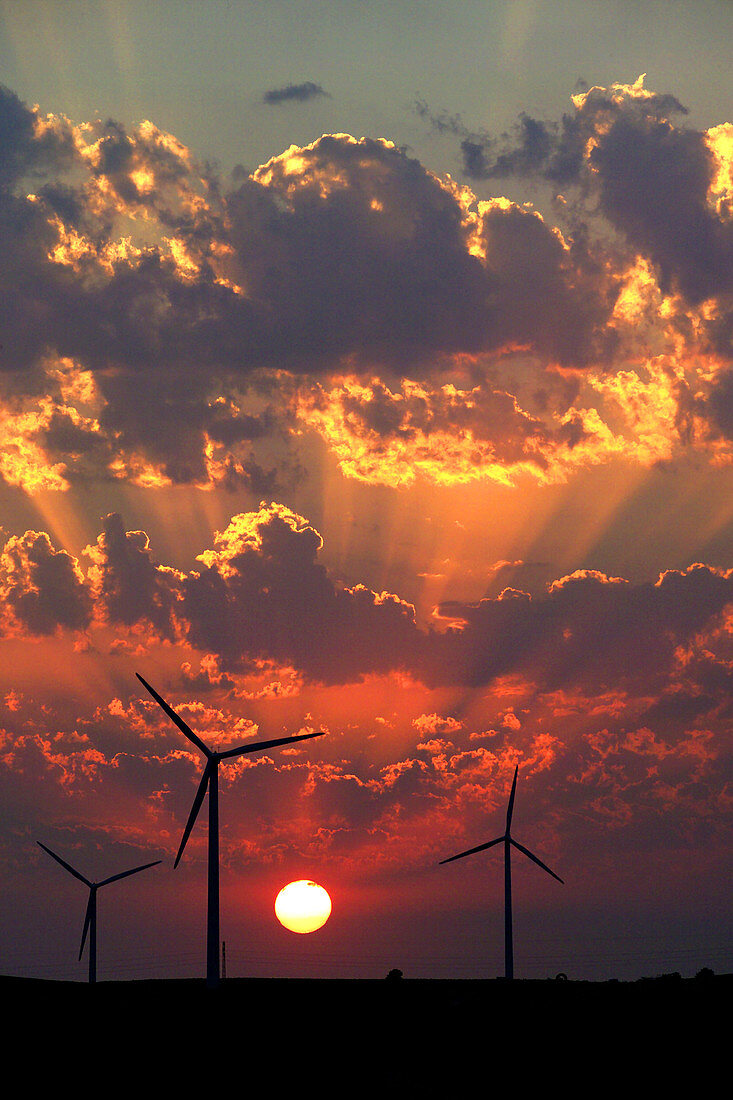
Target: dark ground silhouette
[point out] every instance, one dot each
(362, 1037)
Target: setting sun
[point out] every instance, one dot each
(303, 906)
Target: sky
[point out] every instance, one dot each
(366, 368)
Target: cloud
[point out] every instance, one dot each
(443, 434)
(43, 589)
(590, 631)
(433, 724)
(720, 404)
(262, 596)
(619, 692)
(32, 145)
(654, 183)
(361, 253)
(182, 333)
(537, 277)
(529, 151)
(164, 327)
(260, 602)
(558, 151)
(130, 588)
(653, 180)
(297, 93)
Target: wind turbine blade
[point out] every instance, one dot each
(534, 859)
(195, 809)
(257, 745)
(470, 851)
(87, 922)
(69, 868)
(185, 729)
(510, 807)
(124, 874)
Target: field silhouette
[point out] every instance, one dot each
(370, 1036)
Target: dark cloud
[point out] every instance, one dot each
(534, 147)
(441, 122)
(31, 285)
(130, 587)
(653, 183)
(476, 147)
(367, 257)
(343, 257)
(529, 152)
(16, 137)
(589, 631)
(475, 163)
(650, 177)
(42, 587)
(558, 290)
(351, 250)
(558, 151)
(298, 93)
(30, 147)
(359, 252)
(83, 452)
(720, 404)
(262, 595)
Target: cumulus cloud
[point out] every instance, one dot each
(589, 631)
(262, 595)
(361, 252)
(429, 725)
(656, 182)
(199, 314)
(42, 589)
(31, 145)
(260, 599)
(130, 588)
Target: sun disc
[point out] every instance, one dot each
(303, 906)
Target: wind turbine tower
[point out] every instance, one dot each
(210, 782)
(90, 920)
(508, 841)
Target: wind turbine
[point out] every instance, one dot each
(90, 920)
(508, 840)
(210, 781)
